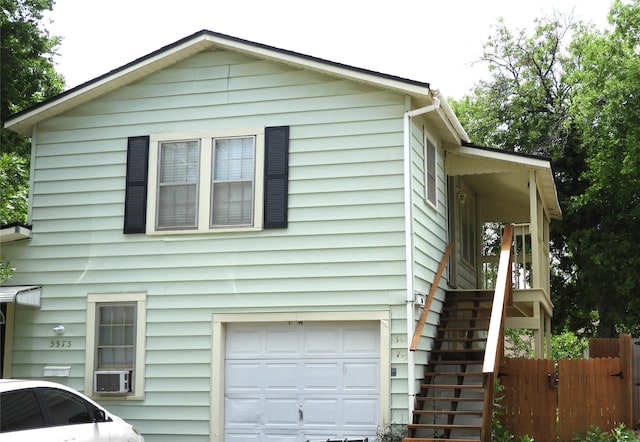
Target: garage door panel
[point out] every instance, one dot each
(242, 376)
(360, 412)
(361, 342)
(281, 376)
(282, 341)
(243, 412)
(244, 343)
(284, 436)
(322, 342)
(324, 376)
(243, 437)
(361, 376)
(281, 412)
(322, 412)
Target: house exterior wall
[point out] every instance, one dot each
(343, 250)
(430, 240)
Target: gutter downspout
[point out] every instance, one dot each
(408, 229)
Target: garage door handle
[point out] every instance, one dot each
(300, 414)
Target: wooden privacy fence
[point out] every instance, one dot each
(552, 401)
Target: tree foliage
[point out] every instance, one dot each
(27, 73)
(570, 92)
(27, 76)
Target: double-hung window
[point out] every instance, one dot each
(213, 181)
(183, 168)
(197, 182)
(178, 171)
(233, 181)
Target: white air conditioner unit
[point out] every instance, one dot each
(112, 381)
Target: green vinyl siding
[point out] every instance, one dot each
(344, 248)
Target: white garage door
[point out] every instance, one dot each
(297, 382)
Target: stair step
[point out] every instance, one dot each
(458, 319)
(465, 308)
(453, 386)
(457, 350)
(462, 329)
(446, 318)
(448, 399)
(450, 412)
(454, 374)
(487, 297)
(456, 362)
(444, 426)
(453, 355)
(431, 439)
(460, 342)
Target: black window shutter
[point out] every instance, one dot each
(135, 203)
(276, 177)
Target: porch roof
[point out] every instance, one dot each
(493, 172)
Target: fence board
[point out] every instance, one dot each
(529, 402)
(603, 348)
(589, 395)
(635, 383)
(626, 365)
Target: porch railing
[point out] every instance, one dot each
(522, 262)
(432, 293)
(494, 351)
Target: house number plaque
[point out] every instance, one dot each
(56, 343)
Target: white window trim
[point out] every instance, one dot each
(141, 319)
(427, 140)
(204, 186)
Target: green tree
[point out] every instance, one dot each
(27, 72)
(570, 92)
(27, 76)
(568, 345)
(606, 108)
(524, 107)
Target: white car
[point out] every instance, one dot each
(44, 411)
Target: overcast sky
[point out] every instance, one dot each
(425, 40)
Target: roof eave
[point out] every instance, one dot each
(24, 121)
(14, 232)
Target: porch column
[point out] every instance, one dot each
(534, 230)
(538, 332)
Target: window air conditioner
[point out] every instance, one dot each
(112, 382)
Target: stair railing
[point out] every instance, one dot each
(429, 300)
(494, 351)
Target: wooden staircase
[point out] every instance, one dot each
(450, 403)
